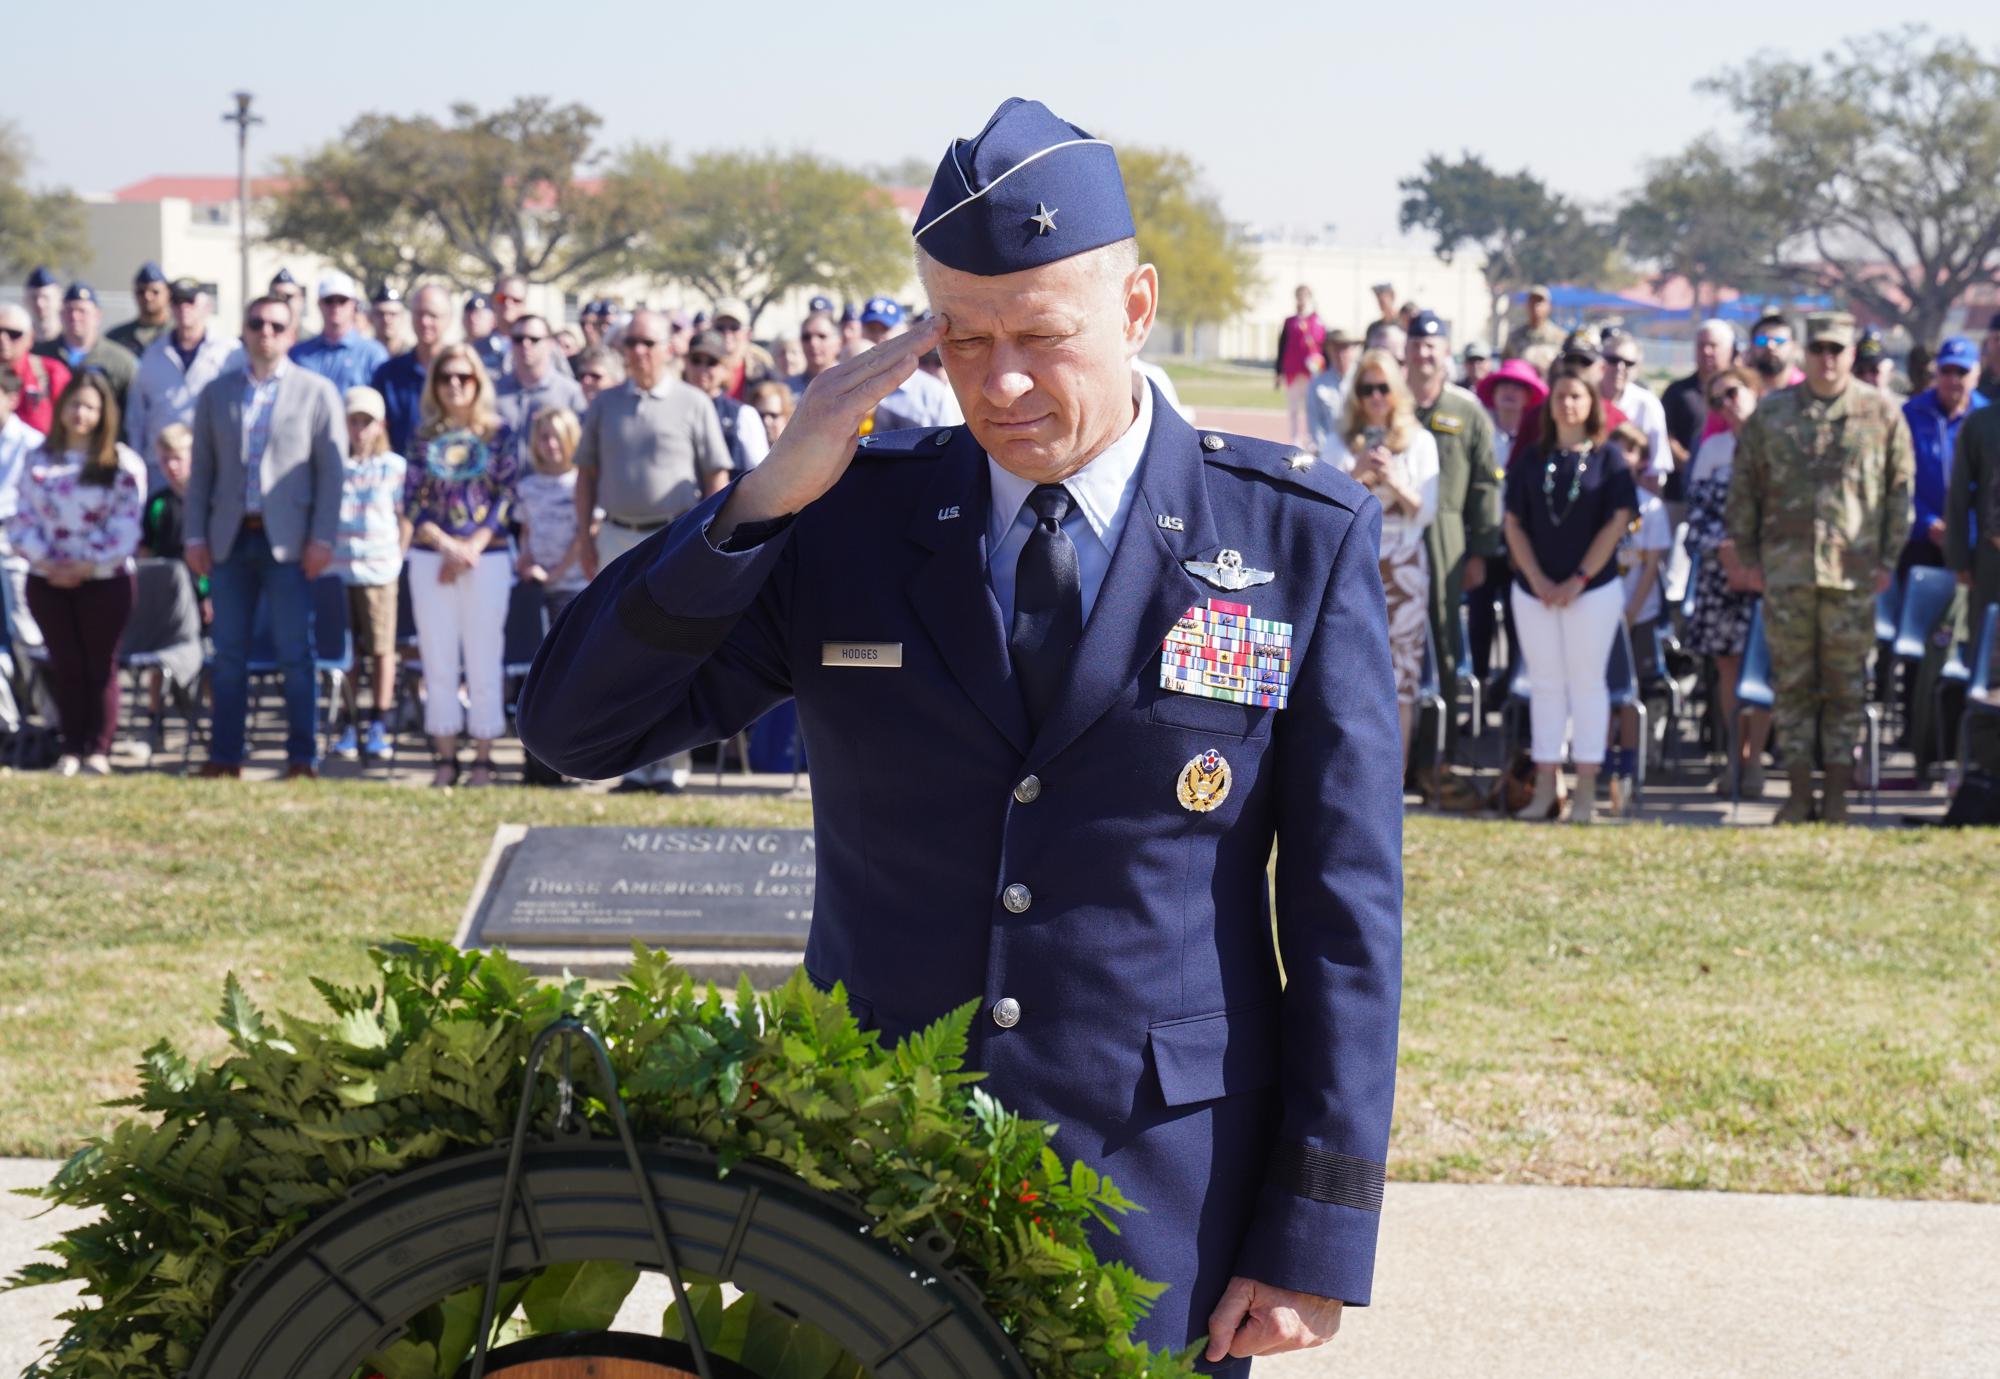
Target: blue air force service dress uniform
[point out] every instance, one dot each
(1095, 880)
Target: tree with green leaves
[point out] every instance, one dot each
(758, 225)
(1700, 216)
(1206, 270)
(471, 198)
(1526, 232)
(1888, 154)
(36, 227)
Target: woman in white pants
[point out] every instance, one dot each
(455, 500)
(1569, 500)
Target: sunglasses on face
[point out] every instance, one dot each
(772, 416)
(1372, 389)
(12, 334)
(504, 297)
(702, 361)
(264, 325)
(455, 380)
(1955, 371)
(1767, 341)
(638, 342)
(1825, 347)
(590, 376)
(528, 339)
(733, 328)
(1617, 362)
(1725, 397)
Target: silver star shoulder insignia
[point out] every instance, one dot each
(1299, 461)
(1043, 218)
(1227, 572)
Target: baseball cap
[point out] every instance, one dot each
(184, 290)
(384, 295)
(848, 313)
(41, 277)
(366, 402)
(678, 320)
(1581, 342)
(149, 273)
(1425, 323)
(80, 292)
(337, 284)
(881, 311)
(1478, 349)
(1338, 337)
(478, 302)
(708, 342)
(732, 309)
(1957, 352)
(820, 302)
(283, 278)
(1540, 290)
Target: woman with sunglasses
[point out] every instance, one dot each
(1569, 500)
(1718, 624)
(1380, 443)
(455, 502)
(81, 504)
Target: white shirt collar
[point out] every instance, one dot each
(1102, 488)
(660, 389)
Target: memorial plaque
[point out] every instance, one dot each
(674, 888)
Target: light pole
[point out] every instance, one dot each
(242, 119)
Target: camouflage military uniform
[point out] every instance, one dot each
(1820, 500)
(1521, 339)
(1467, 523)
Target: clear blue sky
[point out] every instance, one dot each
(1299, 113)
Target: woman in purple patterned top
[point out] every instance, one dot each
(81, 503)
(455, 498)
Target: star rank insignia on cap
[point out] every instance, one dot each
(1299, 461)
(1043, 218)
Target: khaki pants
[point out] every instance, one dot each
(612, 542)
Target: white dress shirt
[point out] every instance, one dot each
(1102, 491)
(1649, 414)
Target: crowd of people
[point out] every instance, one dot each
(431, 459)
(1792, 478)
(421, 462)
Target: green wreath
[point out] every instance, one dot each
(231, 1160)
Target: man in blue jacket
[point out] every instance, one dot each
(1935, 415)
(1068, 671)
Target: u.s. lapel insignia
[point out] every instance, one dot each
(1221, 652)
(866, 441)
(1203, 782)
(1228, 572)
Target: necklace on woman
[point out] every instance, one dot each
(1575, 483)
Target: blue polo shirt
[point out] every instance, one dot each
(401, 383)
(347, 363)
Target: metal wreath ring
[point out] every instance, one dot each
(352, 1280)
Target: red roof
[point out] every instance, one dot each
(205, 191)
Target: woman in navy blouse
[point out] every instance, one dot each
(1569, 500)
(455, 500)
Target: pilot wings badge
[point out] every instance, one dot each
(1228, 572)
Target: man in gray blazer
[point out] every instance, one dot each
(263, 505)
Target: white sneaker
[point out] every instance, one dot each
(97, 764)
(67, 765)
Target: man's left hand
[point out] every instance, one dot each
(1257, 1319)
(318, 555)
(1475, 572)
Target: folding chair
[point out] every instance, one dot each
(164, 635)
(1466, 677)
(1430, 690)
(1753, 691)
(1927, 594)
(333, 647)
(520, 638)
(1621, 679)
(1888, 614)
(1956, 670)
(1980, 696)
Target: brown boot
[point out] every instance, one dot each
(1833, 805)
(1798, 809)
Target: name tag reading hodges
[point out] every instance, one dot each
(870, 655)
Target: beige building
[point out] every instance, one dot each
(1342, 282)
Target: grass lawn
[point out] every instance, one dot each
(1807, 1011)
(1216, 383)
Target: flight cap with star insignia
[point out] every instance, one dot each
(1028, 189)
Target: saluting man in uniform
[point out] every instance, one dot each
(1068, 671)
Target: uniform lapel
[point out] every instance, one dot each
(1145, 590)
(950, 593)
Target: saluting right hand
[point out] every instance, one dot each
(819, 441)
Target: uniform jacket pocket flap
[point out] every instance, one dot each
(1208, 1056)
(1217, 716)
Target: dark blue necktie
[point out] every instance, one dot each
(1048, 604)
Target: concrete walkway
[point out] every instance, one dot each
(1537, 1282)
